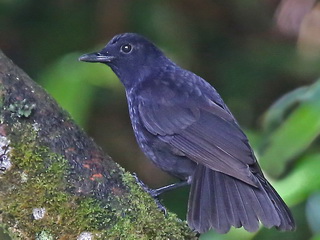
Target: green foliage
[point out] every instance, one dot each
(302, 181)
(298, 124)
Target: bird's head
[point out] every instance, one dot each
(129, 55)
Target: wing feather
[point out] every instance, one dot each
(204, 131)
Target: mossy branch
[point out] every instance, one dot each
(56, 183)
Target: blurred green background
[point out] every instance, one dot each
(262, 56)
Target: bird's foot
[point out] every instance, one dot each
(153, 192)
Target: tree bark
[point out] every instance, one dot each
(56, 183)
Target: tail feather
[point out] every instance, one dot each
(286, 220)
(244, 211)
(220, 205)
(231, 208)
(219, 201)
(196, 201)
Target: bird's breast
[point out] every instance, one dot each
(139, 131)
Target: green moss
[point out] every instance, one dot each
(37, 179)
(143, 220)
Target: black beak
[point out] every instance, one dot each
(96, 57)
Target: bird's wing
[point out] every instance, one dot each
(201, 129)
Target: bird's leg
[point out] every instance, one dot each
(156, 192)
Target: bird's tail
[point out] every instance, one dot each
(218, 201)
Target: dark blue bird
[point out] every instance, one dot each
(183, 126)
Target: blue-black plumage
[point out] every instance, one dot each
(182, 124)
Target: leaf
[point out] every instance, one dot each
(301, 182)
(277, 112)
(295, 134)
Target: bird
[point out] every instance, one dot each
(184, 127)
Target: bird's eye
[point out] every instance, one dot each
(126, 48)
